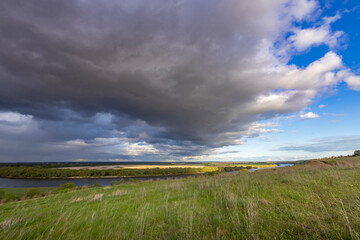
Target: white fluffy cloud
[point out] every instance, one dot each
(309, 115)
(353, 82)
(301, 8)
(304, 38)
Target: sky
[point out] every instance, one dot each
(178, 80)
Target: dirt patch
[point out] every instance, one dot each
(98, 197)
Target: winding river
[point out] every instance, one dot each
(29, 183)
(280, 165)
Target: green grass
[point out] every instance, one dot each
(22, 191)
(317, 200)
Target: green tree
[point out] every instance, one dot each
(357, 153)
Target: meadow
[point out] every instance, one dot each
(317, 200)
(129, 166)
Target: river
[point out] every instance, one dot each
(256, 169)
(280, 165)
(29, 183)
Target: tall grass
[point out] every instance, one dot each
(314, 201)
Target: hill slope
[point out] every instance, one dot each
(320, 199)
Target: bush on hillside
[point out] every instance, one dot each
(67, 185)
(32, 192)
(2, 194)
(96, 185)
(10, 197)
(114, 183)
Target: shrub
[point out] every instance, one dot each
(2, 194)
(11, 197)
(114, 183)
(62, 190)
(96, 185)
(245, 170)
(32, 192)
(357, 153)
(210, 173)
(67, 185)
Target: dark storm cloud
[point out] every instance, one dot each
(122, 58)
(170, 73)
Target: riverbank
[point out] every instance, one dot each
(102, 177)
(34, 183)
(316, 200)
(18, 171)
(22, 191)
(20, 186)
(44, 172)
(10, 182)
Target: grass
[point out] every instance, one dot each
(318, 200)
(22, 191)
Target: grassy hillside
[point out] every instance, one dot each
(317, 200)
(22, 191)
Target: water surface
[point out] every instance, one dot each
(255, 169)
(29, 183)
(280, 165)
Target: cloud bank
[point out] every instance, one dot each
(153, 80)
(334, 144)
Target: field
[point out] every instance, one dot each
(163, 166)
(317, 200)
(134, 167)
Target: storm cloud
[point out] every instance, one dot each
(165, 78)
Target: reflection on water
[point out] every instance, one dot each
(255, 169)
(280, 165)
